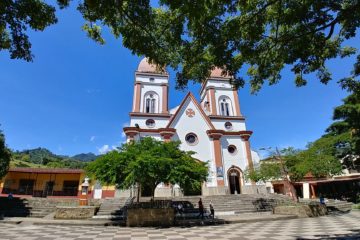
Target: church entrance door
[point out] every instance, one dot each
(234, 180)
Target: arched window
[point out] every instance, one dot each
(151, 102)
(225, 106)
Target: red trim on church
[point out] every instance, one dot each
(140, 114)
(227, 117)
(242, 134)
(135, 130)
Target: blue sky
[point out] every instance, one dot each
(76, 95)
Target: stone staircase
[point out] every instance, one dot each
(111, 208)
(237, 204)
(31, 207)
(332, 205)
(337, 205)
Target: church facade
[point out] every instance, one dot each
(214, 127)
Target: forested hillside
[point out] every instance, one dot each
(42, 157)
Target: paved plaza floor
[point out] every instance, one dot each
(344, 226)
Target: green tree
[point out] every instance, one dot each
(15, 18)
(292, 165)
(259, 37)
(347, 120)
(338, 149)
(147, 163)
(5, 156)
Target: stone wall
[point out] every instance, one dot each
(254, 189)
(301, 210)
(146, 217)
(74, 212)
(210, 191)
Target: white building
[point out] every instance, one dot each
(214, 128)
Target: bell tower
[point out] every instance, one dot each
(151, 89)
(218, 96)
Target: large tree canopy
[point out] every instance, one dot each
(5, 156)
(347, 122)
(256, 37)
(148, 163)
(16, 16)
(338, 149)
(292, 165)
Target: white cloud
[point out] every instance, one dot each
(92, 138)
(125, 124)
(91, 91)
(104, 149)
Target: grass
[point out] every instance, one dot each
(356, 206)
(20, 163)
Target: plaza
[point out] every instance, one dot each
(334, 226)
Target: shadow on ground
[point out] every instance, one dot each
(355, 234)
(14, 207)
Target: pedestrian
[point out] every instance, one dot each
(322, 200)
(212, 210)
(180, 208)
(10, 196)
(201, 209)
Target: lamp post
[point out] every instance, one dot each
(84, 192)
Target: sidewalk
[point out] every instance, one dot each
(241, 218)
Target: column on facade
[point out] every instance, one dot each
(212, 100)
(167, 133)
(313, 191)
(207, 102)
(131, 132)
(216, 136)
(164, 98)
(237, 103)
(306, 190)
(137, 97)
(245, 138)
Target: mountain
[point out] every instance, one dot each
(85, 157)
(42, 157)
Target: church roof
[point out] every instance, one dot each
(217, 73)
(146, 67)
(199, 108)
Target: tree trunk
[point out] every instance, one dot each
(153, 191)
(138, 193)
(291, 191)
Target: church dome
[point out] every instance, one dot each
(217, 73)
(146, 67)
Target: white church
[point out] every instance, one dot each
(214, 128)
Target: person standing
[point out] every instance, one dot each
(201, 209)
(212, 210)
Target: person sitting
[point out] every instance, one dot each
(180, 208)
(322, 200)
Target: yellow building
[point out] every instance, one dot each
(42, 182)
(50, 182)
